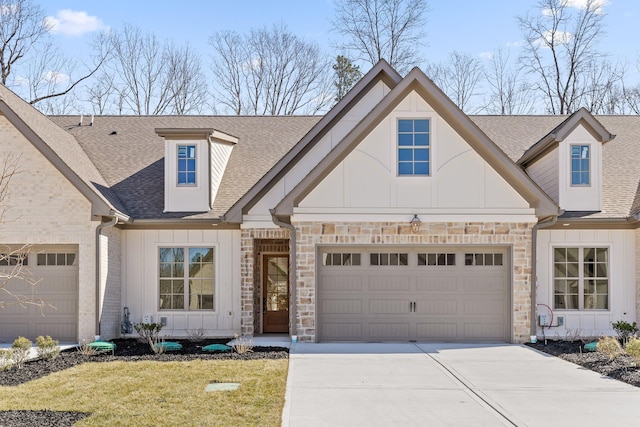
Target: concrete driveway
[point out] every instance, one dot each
(448, 385)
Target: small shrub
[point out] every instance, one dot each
(242, 345)
(150, 333)
(85, 349)
(47, 347)
(6, 359)
(609, 346)
(21, 348)
(624, 329)
(633, 349)
(196, 335)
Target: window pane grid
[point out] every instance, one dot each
(413, 147)
(581, 279)
(339, 259)
(580, 168)
(187, 164)
(186, 283)
(435, 258)
(399, 259)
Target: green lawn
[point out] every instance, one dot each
(160, 393)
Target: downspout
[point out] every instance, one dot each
(534, 274)
(292, 271)
(99, 229)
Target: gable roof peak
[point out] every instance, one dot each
(563, 130)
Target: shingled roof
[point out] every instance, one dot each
(130, 155)
(621, 156)
(61, 149)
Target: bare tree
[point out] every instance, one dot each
(269, 72)
(382, 29)
(508, 92)
(561, 48)
(188, 86)
(149, 77)
(26, 45)
(604, 89)
(458, 77)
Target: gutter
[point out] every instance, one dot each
(292, 271)
(99, 228)
(534, 274)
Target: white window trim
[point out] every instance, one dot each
(571, 184)
(396, 147)
(216, 267)
(195, 148)
(580, 308)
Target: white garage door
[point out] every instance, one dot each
(55, 273)
(405, 294)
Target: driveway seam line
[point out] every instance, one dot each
(459, 379)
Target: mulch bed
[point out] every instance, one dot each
(622, 368)
(126, 350)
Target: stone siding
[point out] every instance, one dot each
(252, 239)
(515, 235)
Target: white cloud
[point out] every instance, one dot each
(21, 81)
(559, 38)
(74, 23)
(486, 54)
(55, 77)
(597, 5)
(517, 44)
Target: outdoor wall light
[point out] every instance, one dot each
(415, 223)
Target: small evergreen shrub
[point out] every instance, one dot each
(633, 349)
(47, 347)
(609, 346)
(6, 359)
(624, 329)
(21, 348)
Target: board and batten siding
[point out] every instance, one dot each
(461, 182)
(545, 173)
(141, 288)
(260, 211)
(622, 280)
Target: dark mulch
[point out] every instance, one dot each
(622, 368)
(40, 418)
(127, 350)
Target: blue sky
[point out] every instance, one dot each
(470, 26)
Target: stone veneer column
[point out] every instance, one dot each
(248, 281)
(516, 235)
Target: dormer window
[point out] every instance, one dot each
(580, 165)
(186, 165)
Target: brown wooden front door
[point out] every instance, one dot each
(275, 293)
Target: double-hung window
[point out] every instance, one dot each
(414, 147)
(581, 278)
(580, 166)
(187, 278)
(186, 165)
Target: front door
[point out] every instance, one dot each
(275, 293)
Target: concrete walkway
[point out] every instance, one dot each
(448, 385)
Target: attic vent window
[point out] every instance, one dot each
(580, 168)
(186, 165)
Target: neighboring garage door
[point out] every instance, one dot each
(447, 294)
(55, 270)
